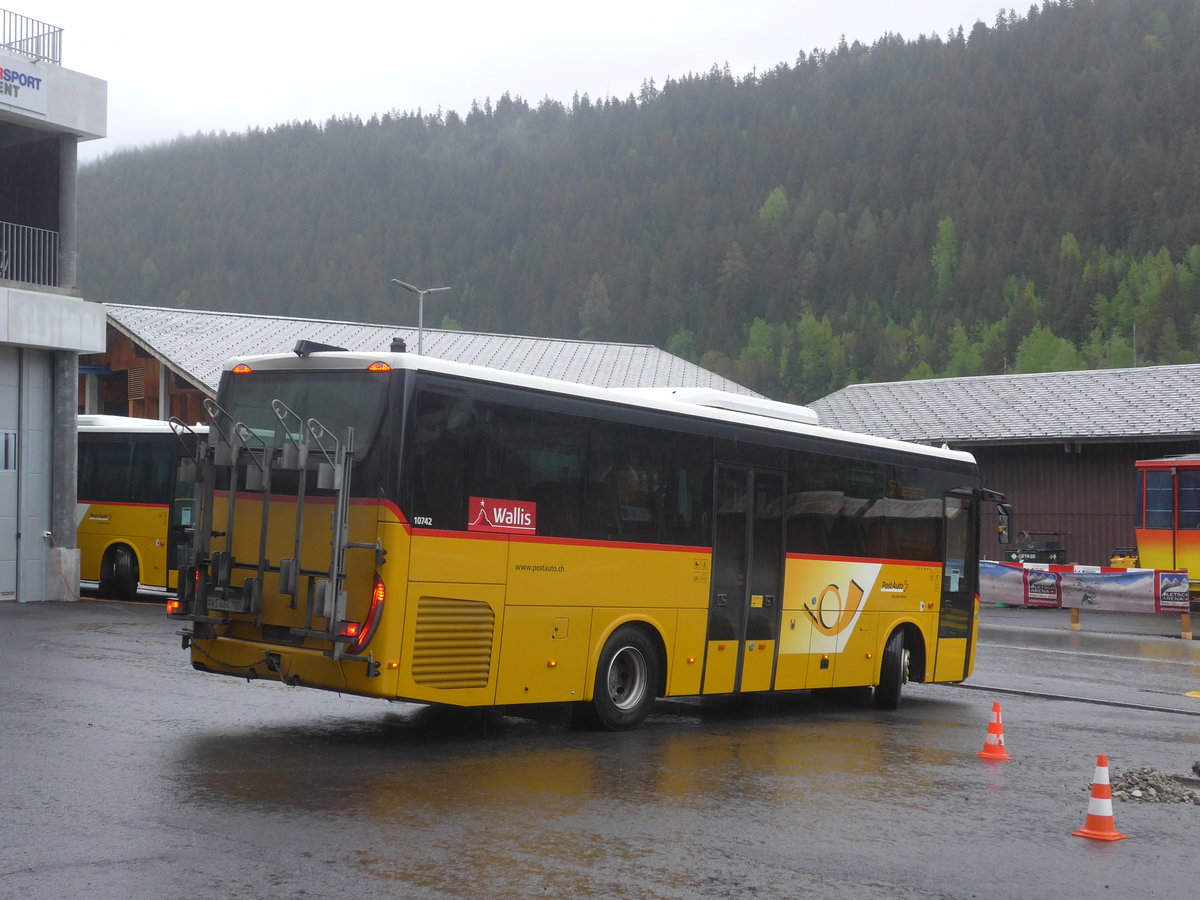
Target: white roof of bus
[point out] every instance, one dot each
(770, 414)
(127, 423)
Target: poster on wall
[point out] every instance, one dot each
(1042, 588)
(1171, 592)
(1000, 584)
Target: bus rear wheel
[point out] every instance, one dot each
(893, 673)
(119, 574)
(626, 681)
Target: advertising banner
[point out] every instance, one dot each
(1042, 589)
(1084, 587)
(1171, 592)
(1130, 590)
(1001, 584)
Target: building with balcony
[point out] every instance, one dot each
(45, 111)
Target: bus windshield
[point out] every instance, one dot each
(333, 399)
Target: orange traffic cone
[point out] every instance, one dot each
(1099, 824)
(993, 744)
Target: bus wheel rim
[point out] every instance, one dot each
(627, 678)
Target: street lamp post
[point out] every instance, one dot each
(420, 292)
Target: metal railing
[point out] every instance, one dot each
(31, 38)
(28, 254)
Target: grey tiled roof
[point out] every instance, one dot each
(1092, 405)
(197, 343)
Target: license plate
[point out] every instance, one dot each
(228, 604)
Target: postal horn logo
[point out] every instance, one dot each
(828, 614)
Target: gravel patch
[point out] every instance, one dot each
(1147, 785)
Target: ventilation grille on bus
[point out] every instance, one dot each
(453, 647)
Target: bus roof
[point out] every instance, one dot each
(707, 404)
(115, 424)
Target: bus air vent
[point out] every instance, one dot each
(453, 647)
(303, 348)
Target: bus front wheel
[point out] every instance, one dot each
(119, 574)
(893, 673)
(626, 681)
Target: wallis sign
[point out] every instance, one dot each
(507, 516)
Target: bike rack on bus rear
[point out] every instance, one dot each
(206, 581)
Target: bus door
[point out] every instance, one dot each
(747, 580)
(960, 578)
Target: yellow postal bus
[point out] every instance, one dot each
(133, 515)
(408, 528)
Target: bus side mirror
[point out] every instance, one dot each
(1003, 517)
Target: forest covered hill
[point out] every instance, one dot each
(1023, 195)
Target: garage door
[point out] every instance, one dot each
(10, 367)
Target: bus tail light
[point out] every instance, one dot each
(361, 633)
(185, 591)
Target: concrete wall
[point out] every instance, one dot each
(41, 333)
(54, 99)
(25, 388)
(36, 474)
(50, 320)
(10, 482)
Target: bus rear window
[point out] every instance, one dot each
(333, 399)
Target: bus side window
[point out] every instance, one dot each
(439, 461)
(825, 512)
(104, 470)
(152, 465)
(619, 485)
(688, 479)
(552, 460)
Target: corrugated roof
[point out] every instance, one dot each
(1098, 404)
(197, 342)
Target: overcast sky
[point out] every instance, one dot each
(182, 68)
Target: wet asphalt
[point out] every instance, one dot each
(126, 774)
